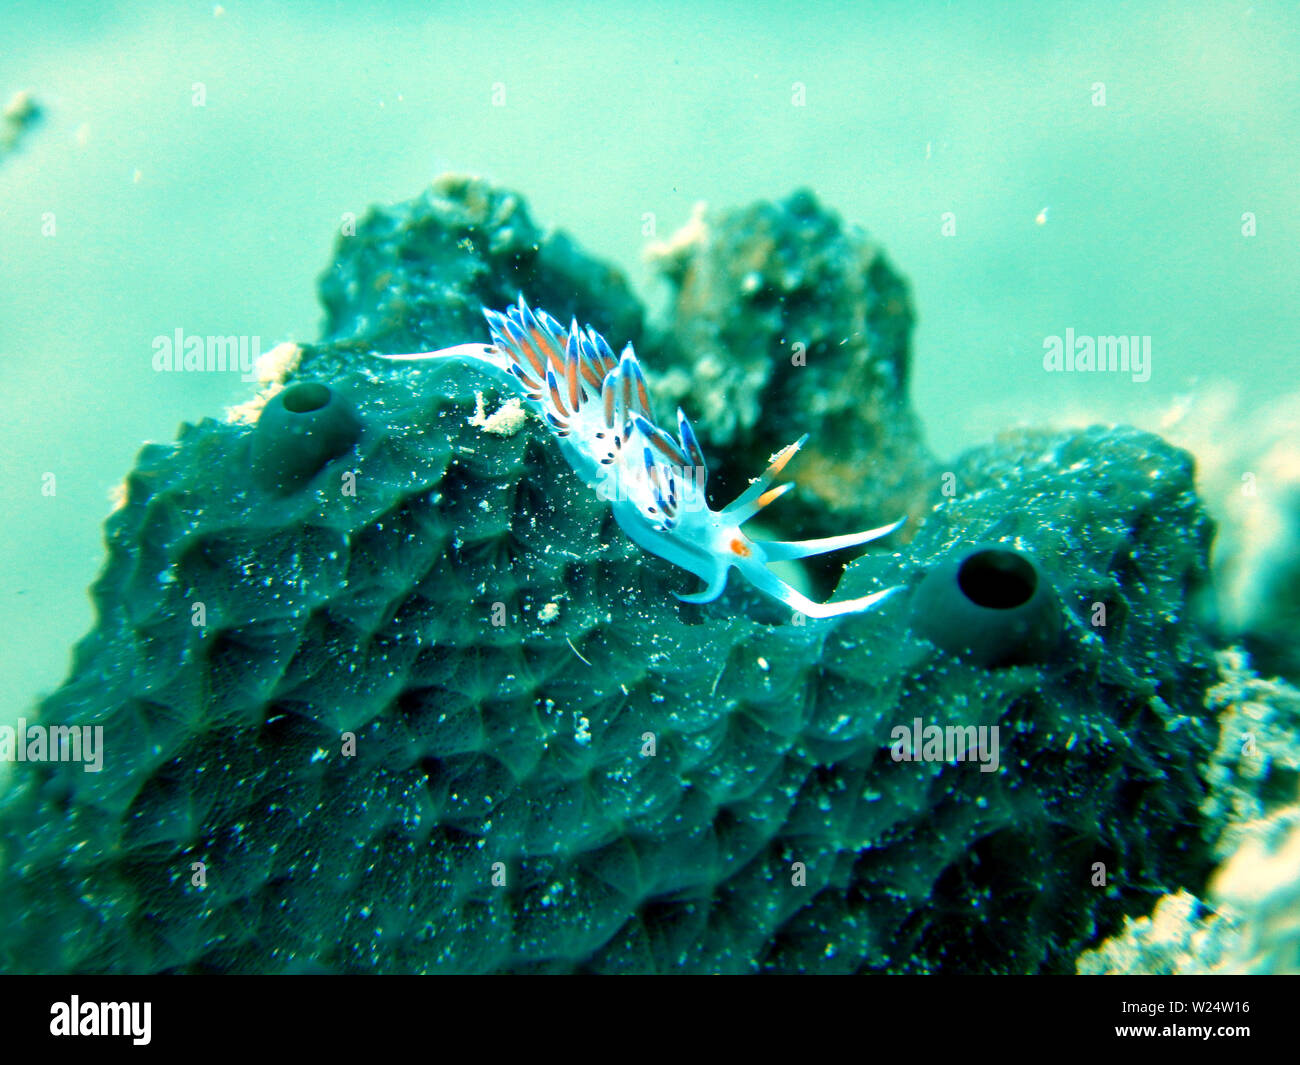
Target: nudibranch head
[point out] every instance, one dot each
(599, 409)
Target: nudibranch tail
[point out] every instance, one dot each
(599, 408)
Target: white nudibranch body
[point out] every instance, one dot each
(597, 407)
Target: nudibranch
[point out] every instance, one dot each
(598, 408)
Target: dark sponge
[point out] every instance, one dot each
(444, 716)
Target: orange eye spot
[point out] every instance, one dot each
(739, 547)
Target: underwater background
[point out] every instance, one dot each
(1017, 173)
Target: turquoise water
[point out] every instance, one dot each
(1125, 218)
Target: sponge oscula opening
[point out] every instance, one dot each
(300, 430)
(991, 604)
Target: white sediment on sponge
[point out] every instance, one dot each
(506, 420)
(272, 368)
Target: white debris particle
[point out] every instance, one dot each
(549, 613)
(506, 420)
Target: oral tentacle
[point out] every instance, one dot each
(714, 588)
(766, 581)
(781, 550)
